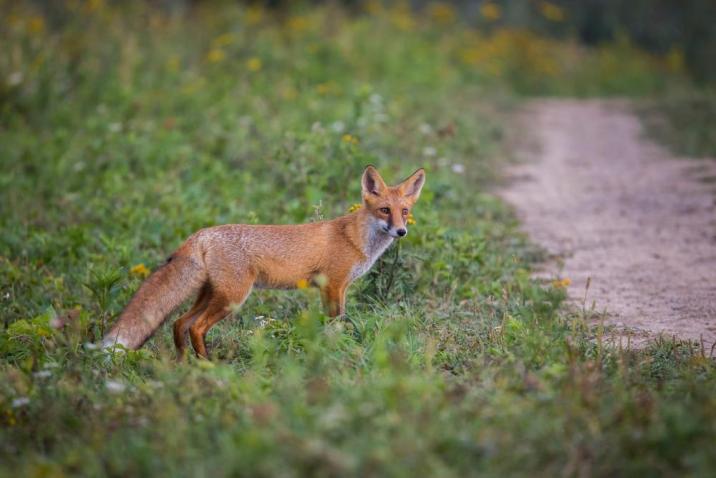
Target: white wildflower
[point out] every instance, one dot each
(115, 386)
(20, 402)
(15, 78)
(42, 374)
(338, 126)
(425, 129)
(429, 151)
(458, 168)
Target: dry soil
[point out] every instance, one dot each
(610, 205)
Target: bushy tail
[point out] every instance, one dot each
(162, 292)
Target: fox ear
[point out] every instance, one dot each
(412, 186)
(372, 183)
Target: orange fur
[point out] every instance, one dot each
(224, 263)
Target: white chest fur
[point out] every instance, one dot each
(375, 245)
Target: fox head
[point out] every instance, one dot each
(389, 206)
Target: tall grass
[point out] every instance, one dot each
(684, 120)
(124, 130)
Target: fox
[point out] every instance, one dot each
(223, 264)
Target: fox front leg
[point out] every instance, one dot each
(334, 299)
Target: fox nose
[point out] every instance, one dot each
(401, 232)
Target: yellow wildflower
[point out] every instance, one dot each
(298, 24)
(373, 7)
(288, 92)
(223, 40)
(254, 64)
(355, 207)
(14, 21)
(551, 11)
(216, 55)
(442, 13)
(411, 219)
(561, 283)
(675, 60)
(403, 20)
(94, 5)
(349, 138)
(326, 88)
(254, 15)
(194, 85)
(36, 24)
(491, 11)
(140, 270)
(173, 64)
(10, 418)
(302, 284)
(471, 56)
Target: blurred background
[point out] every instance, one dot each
(680, 35)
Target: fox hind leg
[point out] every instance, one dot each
(181, 326)
(217, 310)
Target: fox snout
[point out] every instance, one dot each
(397, 232)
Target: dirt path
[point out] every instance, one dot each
(615, 207)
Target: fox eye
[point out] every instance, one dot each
(385, 210)
(405, 212)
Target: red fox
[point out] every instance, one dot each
(224, 263)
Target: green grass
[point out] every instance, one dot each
(684, 120)
(124, 132)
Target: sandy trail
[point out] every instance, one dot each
(613, 206)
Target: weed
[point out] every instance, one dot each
(126, 129)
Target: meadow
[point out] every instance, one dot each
(125, 128)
